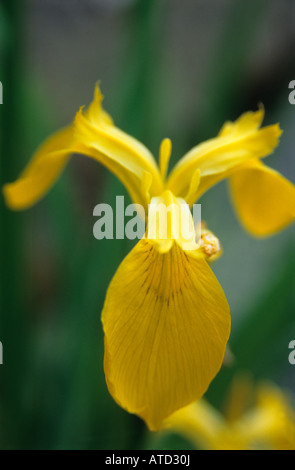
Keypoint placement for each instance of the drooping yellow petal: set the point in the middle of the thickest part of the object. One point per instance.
(166, 322)
(216, 158)
(264, 199)
(41, 173)
(95, 136)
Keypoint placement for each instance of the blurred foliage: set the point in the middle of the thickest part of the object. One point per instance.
(54, 274)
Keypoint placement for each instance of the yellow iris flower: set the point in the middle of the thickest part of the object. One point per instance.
(166, 319)
(268, 423)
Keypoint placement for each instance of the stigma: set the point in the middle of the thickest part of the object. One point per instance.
(209, 244)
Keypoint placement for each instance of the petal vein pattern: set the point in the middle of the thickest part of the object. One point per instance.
(166, 322)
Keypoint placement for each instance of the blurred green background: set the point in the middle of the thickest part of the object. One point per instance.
(167, 69)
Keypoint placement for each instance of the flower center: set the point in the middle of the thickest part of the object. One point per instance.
(169, 221)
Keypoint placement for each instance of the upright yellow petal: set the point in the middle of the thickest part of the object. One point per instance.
(263, 198)
(93, 135)
(166, 322)
(216, 158)
(122, 154)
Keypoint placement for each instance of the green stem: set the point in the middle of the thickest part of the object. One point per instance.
(11, 312)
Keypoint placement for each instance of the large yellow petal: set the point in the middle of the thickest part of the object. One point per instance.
(95, 136)
(264, 199)
(216, 158)
(166, 322)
